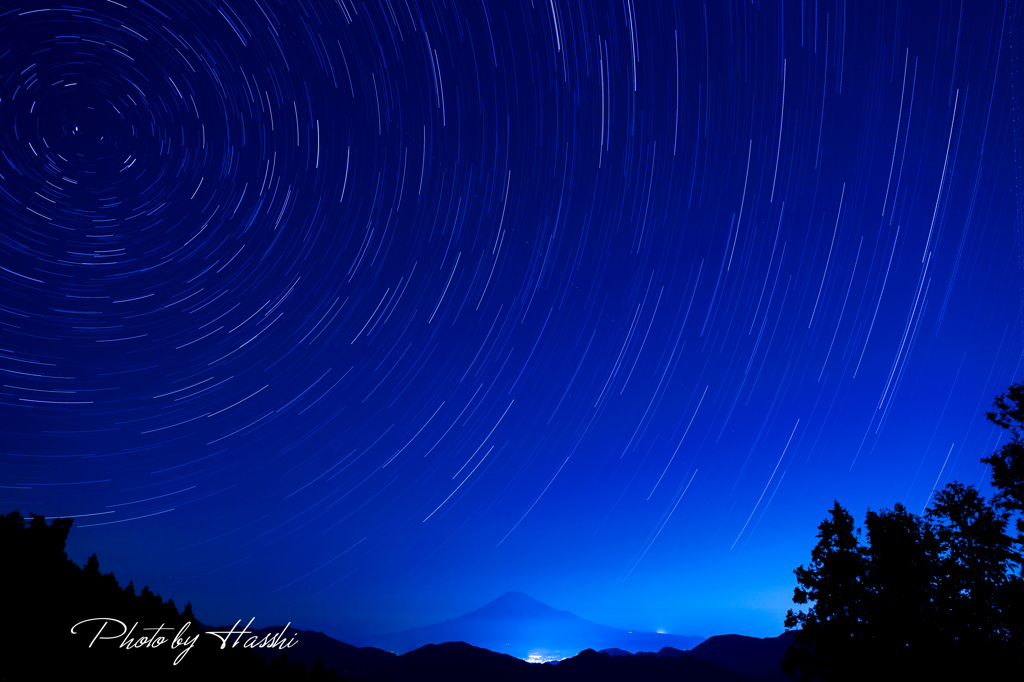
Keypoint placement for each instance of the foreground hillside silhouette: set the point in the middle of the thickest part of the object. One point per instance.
(45, 594)
(937, 597)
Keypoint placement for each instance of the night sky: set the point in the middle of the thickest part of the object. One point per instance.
(358, 315)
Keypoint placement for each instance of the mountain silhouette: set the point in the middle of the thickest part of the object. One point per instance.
(461, 662)
(521, 626)
(759, 657)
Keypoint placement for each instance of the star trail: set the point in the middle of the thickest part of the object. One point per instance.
(358, 314)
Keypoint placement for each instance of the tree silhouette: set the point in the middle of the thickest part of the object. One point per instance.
(899, 580)
(973, 565)
(939, 596)
(1008, 478)
(1008, 461)
(831, 629)
(923, 596)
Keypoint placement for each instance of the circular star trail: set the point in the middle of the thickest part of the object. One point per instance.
(357, 315)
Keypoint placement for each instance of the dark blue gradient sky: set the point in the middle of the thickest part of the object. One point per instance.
(358, 315)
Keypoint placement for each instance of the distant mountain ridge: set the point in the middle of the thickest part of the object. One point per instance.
(749, 655)
(518, 625)
(732, 658)
(760, 658)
